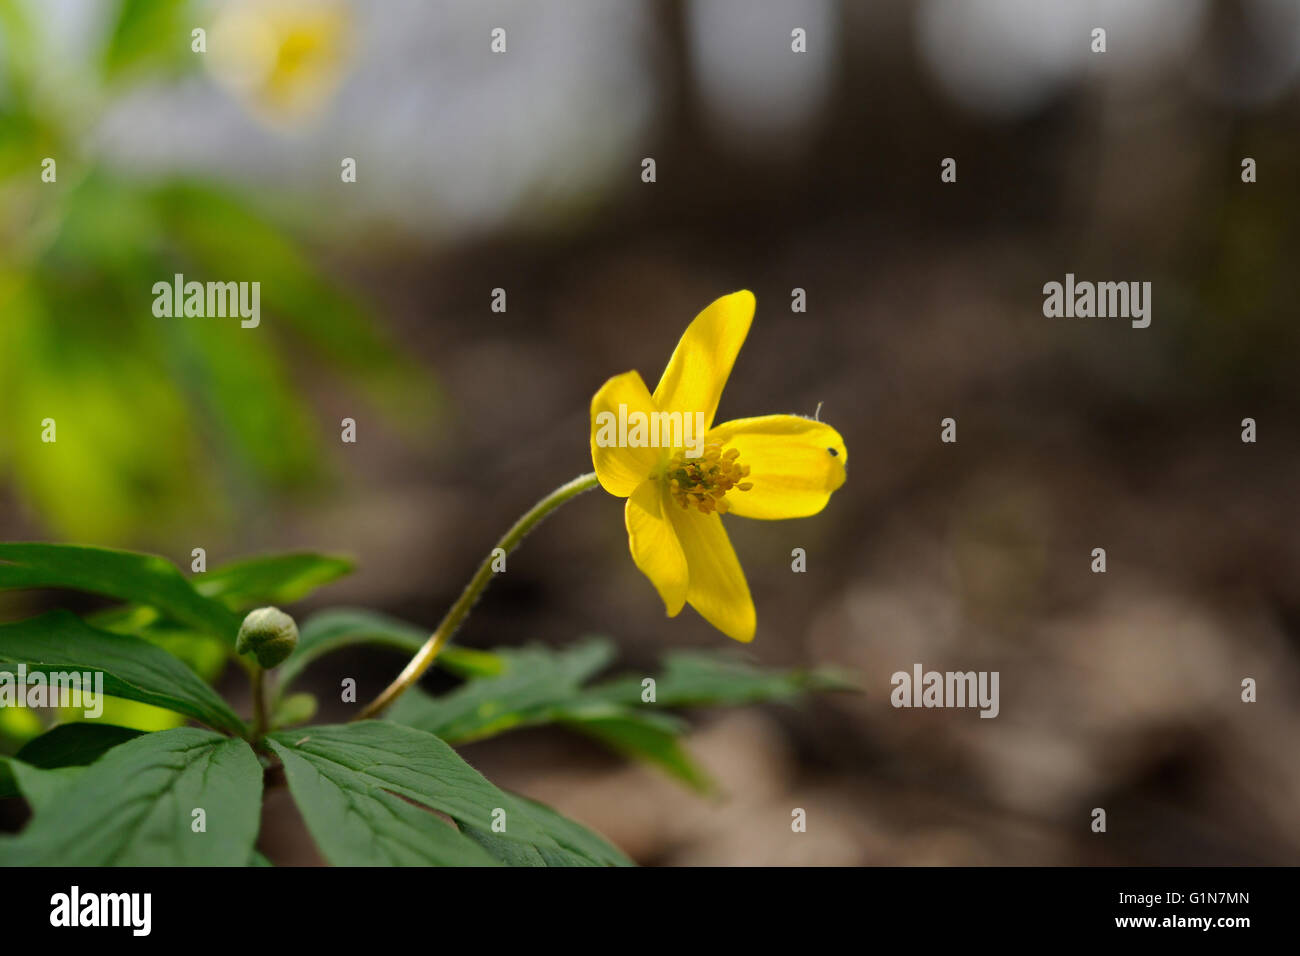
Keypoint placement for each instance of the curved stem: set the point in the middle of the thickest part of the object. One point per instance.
(460, 610)
(258, 678)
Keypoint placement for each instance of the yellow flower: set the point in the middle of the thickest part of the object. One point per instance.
(678, 486)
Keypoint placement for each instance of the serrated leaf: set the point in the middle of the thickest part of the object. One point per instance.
(132, 668)
(125, 575)
(134, 806)
(695, 678)
(541, 686)
(571, 844)
(272, 579)
(355, 822)
(573, 837)
(337, 628)
(356, 772)
(654, 737)
(535, 680)
(409, 763)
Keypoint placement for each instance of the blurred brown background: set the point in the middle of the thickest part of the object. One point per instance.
(820, 171)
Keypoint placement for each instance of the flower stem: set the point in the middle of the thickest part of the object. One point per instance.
(258, 678)
(465, 603)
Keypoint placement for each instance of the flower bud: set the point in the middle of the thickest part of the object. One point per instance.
(269, 634)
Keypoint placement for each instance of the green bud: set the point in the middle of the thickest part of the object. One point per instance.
(269, 634)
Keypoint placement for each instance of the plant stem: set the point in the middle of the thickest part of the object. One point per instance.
(465, 603)
(258, 678)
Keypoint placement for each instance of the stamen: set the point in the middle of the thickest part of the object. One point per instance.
(703, 482)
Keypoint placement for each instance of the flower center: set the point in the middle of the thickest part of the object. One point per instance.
(705, 481)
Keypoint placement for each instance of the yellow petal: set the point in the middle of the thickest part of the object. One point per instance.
(794, 464)
(620, 469)
(654, 544)
(717, 587)
(698, 370)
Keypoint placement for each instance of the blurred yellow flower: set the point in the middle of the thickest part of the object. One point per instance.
(775, 466)
(282, 58)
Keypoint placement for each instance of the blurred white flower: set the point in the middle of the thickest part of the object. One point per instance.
(282, 58)
(1007, 58)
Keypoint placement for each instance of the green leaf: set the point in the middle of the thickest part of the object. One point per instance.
(132, 668)
(694, 678)
(513, 853)
(645, 737)
(147, 33)
(574, 837)
(409, 763)
(571, 843)
(357, 823)
(535, 680)
(37, 786)
(133, 807)
(75, 744)
(273, 579)
(125, 575)
(650, 736)
(541, 686)
(337, 628)
(201, 652)
(8, 784)
(344, 778)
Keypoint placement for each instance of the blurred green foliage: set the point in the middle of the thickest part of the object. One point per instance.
(157, 419)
